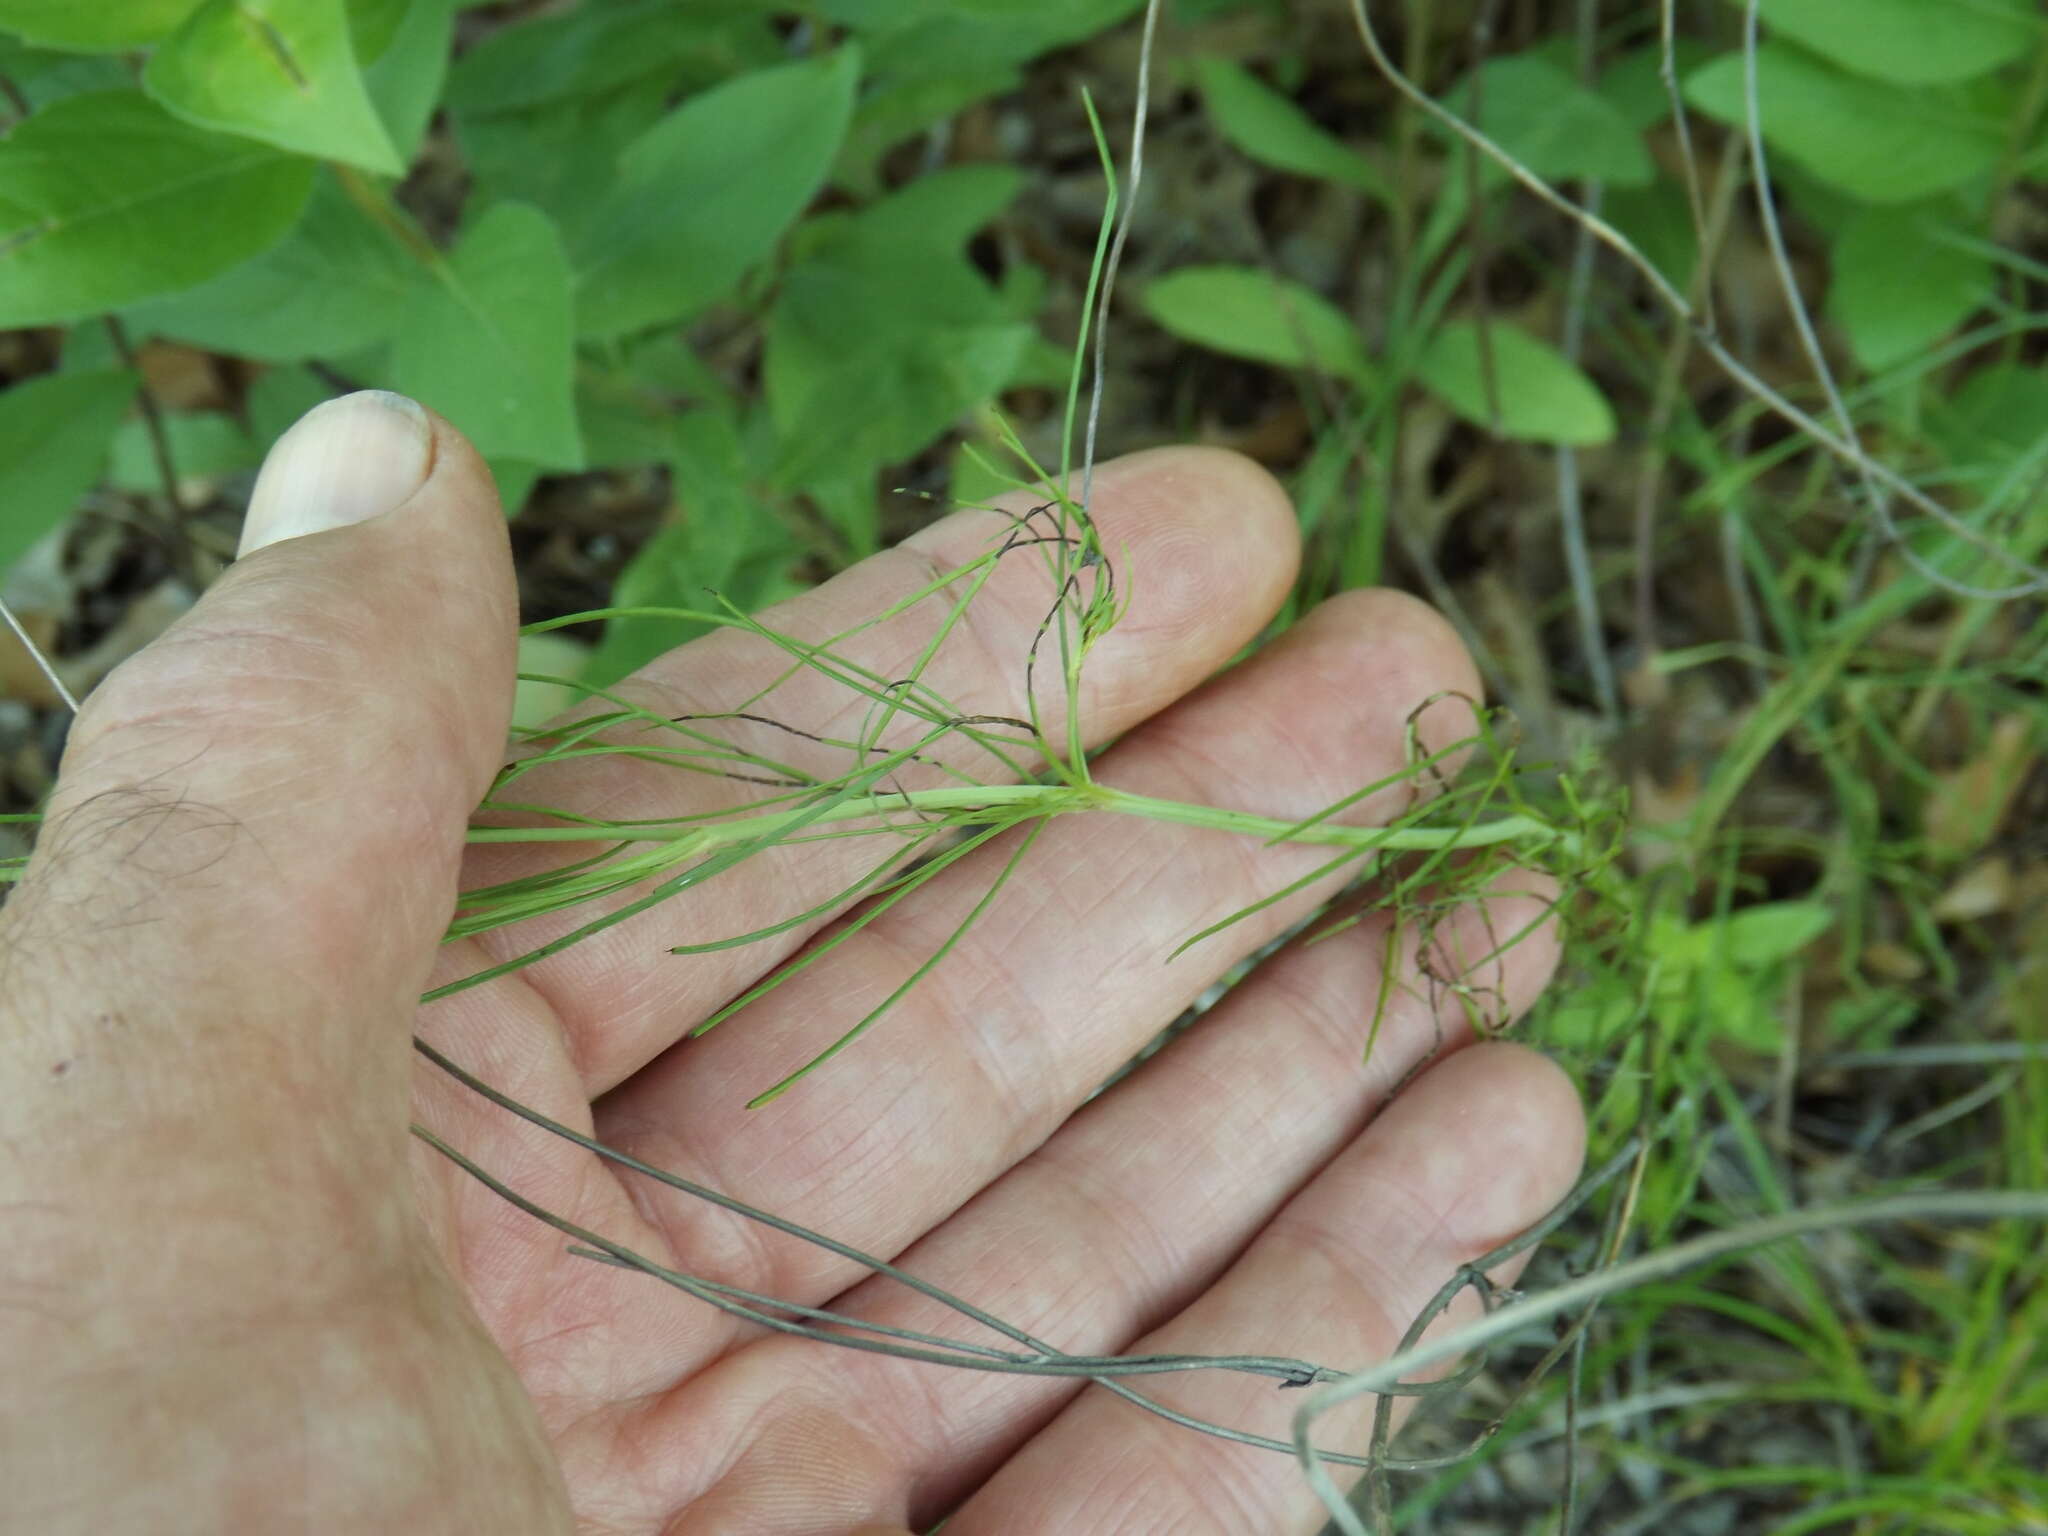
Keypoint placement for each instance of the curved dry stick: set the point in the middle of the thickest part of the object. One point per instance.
(1965, 1205)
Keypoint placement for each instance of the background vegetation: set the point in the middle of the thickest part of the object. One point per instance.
(725, 291)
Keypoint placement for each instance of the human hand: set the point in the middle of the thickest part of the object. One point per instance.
(236, 1296)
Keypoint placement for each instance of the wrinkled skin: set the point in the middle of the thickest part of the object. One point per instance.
(236, 1296)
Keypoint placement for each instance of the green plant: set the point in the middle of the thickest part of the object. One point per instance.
(1734, 310)
(230, 174)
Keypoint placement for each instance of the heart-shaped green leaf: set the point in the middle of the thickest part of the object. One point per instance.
(283, 71)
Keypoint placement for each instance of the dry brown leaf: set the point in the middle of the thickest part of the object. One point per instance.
(1968, 804)
(1983, 890)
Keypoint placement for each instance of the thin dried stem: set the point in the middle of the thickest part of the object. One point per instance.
(35, 653)
(1533, 1310)
(1844, 447)
(1578, 557)
(1116, 246)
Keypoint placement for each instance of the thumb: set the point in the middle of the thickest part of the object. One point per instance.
(261, 815)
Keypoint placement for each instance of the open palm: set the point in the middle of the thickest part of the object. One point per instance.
(258, 838)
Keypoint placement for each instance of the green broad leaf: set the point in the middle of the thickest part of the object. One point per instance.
(889, 113)
(706, 193)
(1875, 142)
(1762, 936)
(883, 335)
(204, 445)
(1587, 1018)
(488, 340)
(548, 655)
(593, 51)
(941, 211)
(1998, 416)
(372, 24)
(545, 109)
(93, 26)
(628, 398)
(1658, 220)
(42, 75)
(55, 431)
(1554, 125)
(720, 538)
(280, 397)
(1273, 131)
(1634, 83)
(1543, 396)
(618, 432)
(405, 81)
(935, 37)
(335, 285)
(106, 199)
(1911, 42)
(282, 71)
(561, 157)
(1252, 314)
(1898, 287)
(914, 391)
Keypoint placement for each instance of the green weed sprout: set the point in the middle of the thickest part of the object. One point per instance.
(920, 832)
(1014, 774)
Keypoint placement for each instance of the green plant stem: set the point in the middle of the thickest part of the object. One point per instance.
(967, 805)
(385, 214)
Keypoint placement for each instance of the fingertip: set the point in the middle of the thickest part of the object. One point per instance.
(1414, 652)
(1521, 1126)
(1217, 522)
